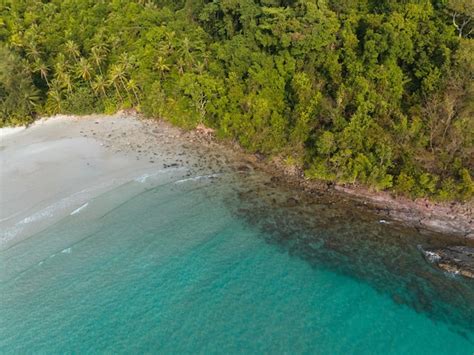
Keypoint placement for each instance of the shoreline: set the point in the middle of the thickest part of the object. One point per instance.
(56, 166)
(450, 219)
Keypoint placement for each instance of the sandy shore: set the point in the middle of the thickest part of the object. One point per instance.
(51, 169)
(54, 167)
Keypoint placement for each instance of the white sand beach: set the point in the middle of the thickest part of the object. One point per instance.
(54, 167)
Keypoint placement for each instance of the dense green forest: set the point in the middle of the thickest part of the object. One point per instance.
(374, 92)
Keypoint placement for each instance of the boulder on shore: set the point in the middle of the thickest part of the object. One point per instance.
(458, 260)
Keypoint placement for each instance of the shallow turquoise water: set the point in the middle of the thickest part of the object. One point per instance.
(206, 266)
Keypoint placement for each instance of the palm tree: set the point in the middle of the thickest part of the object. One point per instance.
(126, 60)
(99, 85)
(40, 67)
(55, 84)
(167, 46)
(181, 65)
(72, 49)
(185, 51)
(206, 57)
(30, 96)
(98, 55)
(53, 103)
(132, 85)
(62, 78)
(60, 67)
(83, 69)
(200, 67)
(34, 30)
(161, 66)
(66, 82)
(32, 51)
(117, 76)
(151, 5)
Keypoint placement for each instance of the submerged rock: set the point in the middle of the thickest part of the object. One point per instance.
(243, 168)
(292, 202)
(456, 259)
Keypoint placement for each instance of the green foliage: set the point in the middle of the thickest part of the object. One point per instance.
(18, 95)
(378, 93)
(81, 102)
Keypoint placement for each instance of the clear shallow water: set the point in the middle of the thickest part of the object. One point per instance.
(212, 266)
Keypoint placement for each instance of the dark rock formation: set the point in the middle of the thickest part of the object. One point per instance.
(455, 259)
(292, 202)
(243, 168)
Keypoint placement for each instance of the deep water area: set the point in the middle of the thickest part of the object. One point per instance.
(230, 262)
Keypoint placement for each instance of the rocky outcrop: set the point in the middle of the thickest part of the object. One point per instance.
(458, 260)
(453, 218)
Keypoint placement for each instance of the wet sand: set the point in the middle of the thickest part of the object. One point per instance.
(54, 167)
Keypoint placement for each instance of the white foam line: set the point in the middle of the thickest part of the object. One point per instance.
(8, 234)
(46, 212)
(79, 209)
(62, 203)
(195, 178)
(433, 257)
(143, 178)
(452, 275)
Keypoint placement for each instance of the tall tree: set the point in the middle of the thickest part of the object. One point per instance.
(72, 49)
(462, 13)
(84, 70)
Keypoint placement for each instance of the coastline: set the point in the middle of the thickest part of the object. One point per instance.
(54, 167)
(449, 218)
(124, 145)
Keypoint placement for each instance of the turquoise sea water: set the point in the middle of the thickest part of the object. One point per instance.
(211, 265)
